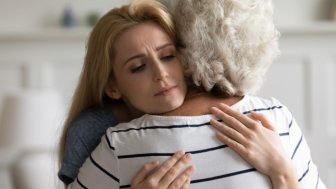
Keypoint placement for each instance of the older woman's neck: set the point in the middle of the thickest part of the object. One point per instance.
(199, 103)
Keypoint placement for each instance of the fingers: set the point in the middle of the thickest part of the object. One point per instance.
(236, 115)
(167, 172)
(171, 172)
(167, 165)
(183, 180)
(227, 130)
(235, 130)
(264, 121)
(153, 175)
(232, 119)
(239, 121)
(229, 136)
(236, 146)
(143, 173)
(186, 184)
(256, 144)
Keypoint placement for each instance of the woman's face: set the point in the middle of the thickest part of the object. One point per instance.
(148, 75)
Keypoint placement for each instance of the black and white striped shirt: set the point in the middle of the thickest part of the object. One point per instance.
(128, 146)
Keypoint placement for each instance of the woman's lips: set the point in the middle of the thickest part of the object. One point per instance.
(165, 91)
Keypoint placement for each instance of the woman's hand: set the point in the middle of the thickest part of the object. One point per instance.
(255, 140)
(165, 176)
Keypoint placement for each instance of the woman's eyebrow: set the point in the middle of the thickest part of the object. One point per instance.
(163, 46)
(142, 54)
(134, 57)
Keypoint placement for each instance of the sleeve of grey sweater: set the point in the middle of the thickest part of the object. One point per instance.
(83, 136)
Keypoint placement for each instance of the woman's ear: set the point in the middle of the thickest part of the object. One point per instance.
(112, 91)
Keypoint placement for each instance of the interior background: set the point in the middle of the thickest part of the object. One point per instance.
(303, 78)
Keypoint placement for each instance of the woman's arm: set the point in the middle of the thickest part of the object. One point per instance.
(256, 141)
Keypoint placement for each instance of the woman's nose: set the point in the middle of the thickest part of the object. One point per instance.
(160, 72)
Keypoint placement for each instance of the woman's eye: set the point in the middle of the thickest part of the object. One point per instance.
(168, 57)
(138, 68)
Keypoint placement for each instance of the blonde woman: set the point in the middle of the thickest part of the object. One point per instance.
(115, 54)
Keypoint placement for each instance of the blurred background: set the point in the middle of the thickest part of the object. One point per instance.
(42, 45)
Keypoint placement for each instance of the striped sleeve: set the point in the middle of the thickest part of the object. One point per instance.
(306, 170)
(100, 170)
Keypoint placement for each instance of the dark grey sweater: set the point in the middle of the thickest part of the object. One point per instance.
(83, 136)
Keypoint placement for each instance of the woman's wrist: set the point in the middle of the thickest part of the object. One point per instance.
(286, 178)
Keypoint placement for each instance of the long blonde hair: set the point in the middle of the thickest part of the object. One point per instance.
(97, 68)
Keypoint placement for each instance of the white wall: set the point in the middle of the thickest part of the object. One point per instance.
(19, 14)
(38, 13)
(298, 11)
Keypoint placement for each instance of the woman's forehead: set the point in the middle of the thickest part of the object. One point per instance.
(142, 36)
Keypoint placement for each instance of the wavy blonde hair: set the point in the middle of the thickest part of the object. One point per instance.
(97, 68)
(230, 44)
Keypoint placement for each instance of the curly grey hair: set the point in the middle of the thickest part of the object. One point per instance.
(230, 44)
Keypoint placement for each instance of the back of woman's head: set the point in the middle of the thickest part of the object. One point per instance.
(97, 68)
(230, 44)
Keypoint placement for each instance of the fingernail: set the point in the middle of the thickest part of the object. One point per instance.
(188, 156)
(179, 153)
(223, 105)
(192, 168)
(214, 109)
(213, 122)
